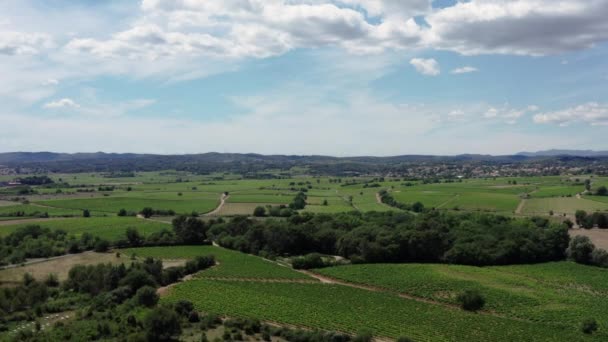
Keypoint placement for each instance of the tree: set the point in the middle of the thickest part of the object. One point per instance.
(189, 230)
(580, 249)
(134, 237)
(86, 213)
(101, 246)
(589, 326)
(602, 191)
(588, 184)
(146, 296)
(580, 216)
(122, 212)
(162, 324)
(325, 202)
(259, 211)
(147, 212)
(471, 300)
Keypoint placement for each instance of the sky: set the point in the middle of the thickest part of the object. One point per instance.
(329, 77)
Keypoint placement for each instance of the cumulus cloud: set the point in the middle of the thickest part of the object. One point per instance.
(21, 43)
(428, 66)
(507, 113)
(531, 27)
(593, 113)
(62, 103)
(464, 70)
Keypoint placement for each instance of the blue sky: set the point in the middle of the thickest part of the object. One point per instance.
(334, 77)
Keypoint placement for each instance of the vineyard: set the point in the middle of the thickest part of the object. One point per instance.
(343, 308)
(232, 264)
(109, 228)
(554, 293)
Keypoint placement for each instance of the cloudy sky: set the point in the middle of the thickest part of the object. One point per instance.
(333, 77)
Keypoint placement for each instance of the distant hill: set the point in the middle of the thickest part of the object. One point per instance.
(574, 153)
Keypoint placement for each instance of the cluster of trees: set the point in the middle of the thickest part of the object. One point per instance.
(33, 241)
(583, 251)
(589, 221)
(298, 202)
(387, 199)
(35, 180)
(148, 212)
(118, 302)
(273, 211)
(469, 238)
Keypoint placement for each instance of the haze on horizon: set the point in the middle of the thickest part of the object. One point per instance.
(324, 77)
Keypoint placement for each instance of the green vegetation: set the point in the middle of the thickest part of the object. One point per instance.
(231, 263)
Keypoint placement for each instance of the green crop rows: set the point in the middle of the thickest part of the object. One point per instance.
(232, 264)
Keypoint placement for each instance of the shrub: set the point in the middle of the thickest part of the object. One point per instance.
(259, 211)
(589, 326)
(580, 249)
(471, 300)
(162, 324)
(146, 296)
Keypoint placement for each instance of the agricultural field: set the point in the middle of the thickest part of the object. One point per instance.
(560, 293)
(36, 210)
(344, 308)
(108, 228)
(114, 204)
(232, 264)
(562, 205)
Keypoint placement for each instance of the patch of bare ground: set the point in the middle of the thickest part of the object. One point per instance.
(60, 266)
(33, 220)
(599, 237)
(164, 290)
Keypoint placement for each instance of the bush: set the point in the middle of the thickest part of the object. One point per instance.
(86, 213)
(471, 300)
(102, 246)
(589, 326)
(146, 296)
(307, 262)
(162, 324)
(580, 249)
(259, 211)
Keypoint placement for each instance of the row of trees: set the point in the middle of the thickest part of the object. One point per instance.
(388, 199)
(470, 238)
(589, 221)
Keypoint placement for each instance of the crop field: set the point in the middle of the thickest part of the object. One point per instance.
(560, 293)
(343, 308)
(32, 209)
(232, 264)
(109, 228)
(562, 205)
(232, 209)
(114, 204)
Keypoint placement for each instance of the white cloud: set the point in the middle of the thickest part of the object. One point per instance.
(531, 27)
(593, 113)
(464, 70)
(63, 103)
(507, 113)
(21, 43)
(50, 82)
(428, 67)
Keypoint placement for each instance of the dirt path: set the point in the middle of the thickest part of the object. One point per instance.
(448, 201)
(219, 207)
(520, 206)
(164, 290)
(34, 220)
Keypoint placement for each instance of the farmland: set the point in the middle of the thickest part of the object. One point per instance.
(109, 228)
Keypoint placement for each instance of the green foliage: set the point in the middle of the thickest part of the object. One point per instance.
(259, 211)
(589, 326)
(162, 324)
(146, 296)
(471, 300)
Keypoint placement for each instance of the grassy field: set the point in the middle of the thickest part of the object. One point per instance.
(32, 209)
(232, 264)
(109, 228)
(561, 293)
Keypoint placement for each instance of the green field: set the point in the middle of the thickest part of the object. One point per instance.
(32, 209)
(561, 293)
(562, 205)
(232, 264)
(342, 308)
(114, 204)
(109, 228)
